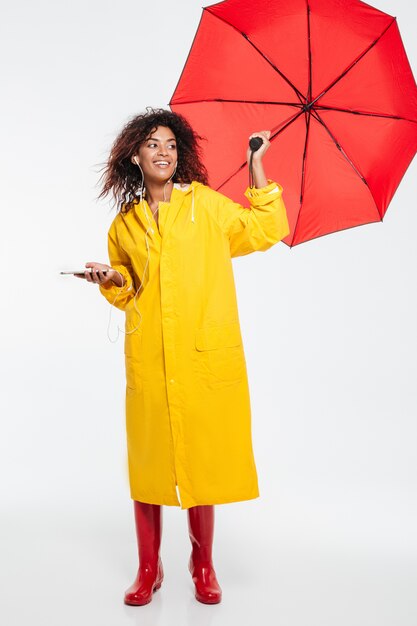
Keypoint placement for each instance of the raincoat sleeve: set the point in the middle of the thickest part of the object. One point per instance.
(120, 261)
(259, 227)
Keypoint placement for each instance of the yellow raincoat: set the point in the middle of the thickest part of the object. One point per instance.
(188, 416)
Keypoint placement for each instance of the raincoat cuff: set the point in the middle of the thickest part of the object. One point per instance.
(112, 288)
(264, 195)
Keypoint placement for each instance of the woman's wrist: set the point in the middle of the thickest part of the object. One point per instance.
(117, 279)
(259, 178)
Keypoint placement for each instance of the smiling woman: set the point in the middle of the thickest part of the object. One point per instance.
(188, 418)
(157, 157)
(124, 179)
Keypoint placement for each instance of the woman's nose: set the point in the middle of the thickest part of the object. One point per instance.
(162, 151)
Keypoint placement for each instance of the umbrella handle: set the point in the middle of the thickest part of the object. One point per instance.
(254, 144)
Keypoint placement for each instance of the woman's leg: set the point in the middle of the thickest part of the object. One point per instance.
(201, 531)
(148, 521)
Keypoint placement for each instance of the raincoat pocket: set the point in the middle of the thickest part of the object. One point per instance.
(220, 353)
(133, 360)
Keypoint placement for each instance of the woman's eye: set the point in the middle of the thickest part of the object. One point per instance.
(154, 145)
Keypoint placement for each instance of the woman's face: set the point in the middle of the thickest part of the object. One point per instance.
(158, 155)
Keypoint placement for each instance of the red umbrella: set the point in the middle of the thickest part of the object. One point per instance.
(331, 79)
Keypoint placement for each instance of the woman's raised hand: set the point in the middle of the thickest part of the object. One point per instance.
(97, 276)
(259, 154)
(259, 178)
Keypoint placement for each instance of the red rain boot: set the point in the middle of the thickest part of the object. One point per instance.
(148, 520)
(201, 529)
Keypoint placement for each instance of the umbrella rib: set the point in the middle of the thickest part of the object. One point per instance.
(308, 116)
(304, 161)
(338, 146)
(336, 80)
(317, 117)
(272, 137)
(274, 67)
(290, 104)
(343, 153)
(310, 88)
(393, 117)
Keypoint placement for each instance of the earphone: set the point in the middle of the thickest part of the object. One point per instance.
(142, 205)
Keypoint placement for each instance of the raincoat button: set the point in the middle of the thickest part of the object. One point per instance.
(172, 380)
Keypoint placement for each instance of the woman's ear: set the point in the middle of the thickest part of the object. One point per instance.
(134, 159)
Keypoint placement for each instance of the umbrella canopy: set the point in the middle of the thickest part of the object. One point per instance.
(331, 79)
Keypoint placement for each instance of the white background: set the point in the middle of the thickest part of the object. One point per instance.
(330, 340)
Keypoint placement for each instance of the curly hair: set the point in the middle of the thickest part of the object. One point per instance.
(123, 178)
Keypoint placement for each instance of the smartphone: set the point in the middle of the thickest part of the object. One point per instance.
(87, 269)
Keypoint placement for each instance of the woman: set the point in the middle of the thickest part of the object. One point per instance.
(188, 418)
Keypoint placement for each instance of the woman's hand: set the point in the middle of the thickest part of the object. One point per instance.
(259, 154)
(259, 177)
(97, 276)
